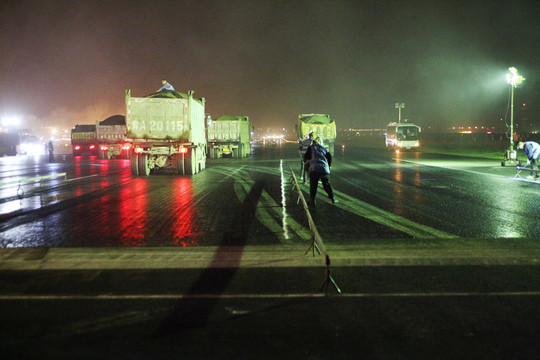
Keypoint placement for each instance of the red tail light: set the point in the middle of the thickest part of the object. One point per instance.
(182, 149)
(104, 148)
(77, 147)
(126, 147)
(92, 147)
(139, 150)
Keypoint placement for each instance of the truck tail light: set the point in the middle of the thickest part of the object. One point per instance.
(77, 147)
(182, 150)
(139, 150)
(92, 147)
(126, 147)
(104, 148)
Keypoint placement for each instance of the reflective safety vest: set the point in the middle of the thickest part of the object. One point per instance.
(318, 162)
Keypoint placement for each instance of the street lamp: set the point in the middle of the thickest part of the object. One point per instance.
(399, 107)
(514, 80)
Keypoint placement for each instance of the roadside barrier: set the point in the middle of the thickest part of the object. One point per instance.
(317, 243)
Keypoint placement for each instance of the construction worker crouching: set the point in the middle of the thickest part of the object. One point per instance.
(532, 151)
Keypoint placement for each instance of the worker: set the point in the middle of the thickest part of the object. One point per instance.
(319, 161)
(166, 86)
(304, 145)
(532, 151)
(50, 148)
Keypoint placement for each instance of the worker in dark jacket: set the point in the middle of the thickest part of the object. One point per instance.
(304, 145)
(532, 150)
(319, 162)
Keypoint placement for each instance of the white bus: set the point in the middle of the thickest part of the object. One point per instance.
(402, 136)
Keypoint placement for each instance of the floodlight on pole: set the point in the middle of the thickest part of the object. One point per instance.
(514, 80)
(399, 106)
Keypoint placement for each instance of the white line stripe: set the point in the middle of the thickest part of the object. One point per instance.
(451, 168)
(262, 296)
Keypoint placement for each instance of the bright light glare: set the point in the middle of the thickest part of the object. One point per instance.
(11, 121)
(514, 78)
(31, 149)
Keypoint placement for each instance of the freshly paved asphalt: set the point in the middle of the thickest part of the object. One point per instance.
(406, 298)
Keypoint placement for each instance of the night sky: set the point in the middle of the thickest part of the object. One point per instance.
(69, 62)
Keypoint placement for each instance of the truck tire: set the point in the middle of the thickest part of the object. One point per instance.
(134, 158)
(240, 151)
(180, 164)
(185, 163)
(194, 162)
(144, 166)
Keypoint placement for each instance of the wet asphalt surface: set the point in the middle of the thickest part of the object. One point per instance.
(437, 257)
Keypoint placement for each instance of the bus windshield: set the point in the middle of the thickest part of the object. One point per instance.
(407, 133)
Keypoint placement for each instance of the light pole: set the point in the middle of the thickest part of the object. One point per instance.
(514, 80)
(399, 107)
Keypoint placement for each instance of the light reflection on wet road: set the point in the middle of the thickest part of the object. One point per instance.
(382, 196)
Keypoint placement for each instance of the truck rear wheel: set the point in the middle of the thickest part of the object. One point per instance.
(180, 164)
(144, 166)
(191, 166)
(134, 158)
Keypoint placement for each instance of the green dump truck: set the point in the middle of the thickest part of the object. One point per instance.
(229, 136)
(111, 138)
(321, 125)
(167, 129)
(83, 140)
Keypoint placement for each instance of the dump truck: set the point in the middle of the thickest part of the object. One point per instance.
(167, 129)
(111, 138)
(229, 136)
(321, 124)
(83, 140)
